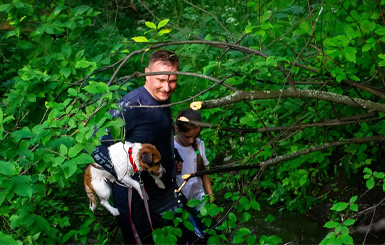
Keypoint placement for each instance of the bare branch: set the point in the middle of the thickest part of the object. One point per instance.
(299, 93)
(334, 122)
(278, 159)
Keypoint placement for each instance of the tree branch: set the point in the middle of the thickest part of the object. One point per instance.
(299, 93)
(334, 122)
(285, 157)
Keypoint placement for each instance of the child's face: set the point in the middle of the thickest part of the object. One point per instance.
(187, 138)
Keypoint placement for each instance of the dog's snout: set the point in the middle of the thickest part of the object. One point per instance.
(154, 173)
(159, 173)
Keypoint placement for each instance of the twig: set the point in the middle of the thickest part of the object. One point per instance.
(382, 13)
(212, 15)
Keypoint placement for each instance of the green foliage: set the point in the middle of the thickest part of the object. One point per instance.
(59, 58)
(340, 233)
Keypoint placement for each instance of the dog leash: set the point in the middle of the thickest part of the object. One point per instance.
(136, 235)
(137, 238)
(144, 196)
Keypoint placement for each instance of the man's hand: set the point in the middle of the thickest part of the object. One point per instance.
(179, 167)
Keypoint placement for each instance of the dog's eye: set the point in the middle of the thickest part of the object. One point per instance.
(146, 158)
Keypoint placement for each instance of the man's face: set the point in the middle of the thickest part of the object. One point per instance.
(160, 86)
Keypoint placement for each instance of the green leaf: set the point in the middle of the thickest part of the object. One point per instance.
(255, 205)
(7, 168)
(66, 50)
(228, 195)
(41, 222)
(105, 61)
(193, 203)
(366, 47)
(379, 175)
(331, 224)
(163, 23)
(370, 183)
(163, 31)
(65, 71)
(73, 151)
(68, 236)
(380, 31)
(79, 10)
(364, 127)
(367, 171)
(151, 25)
(244, 231)
(25, 133)
(238, 238)
(354, 207)
(353, 199)
(168, 215)
(83, 158)
(69, 168)
(84, 64)
(5, 7)
(18, 4)
(270, 218)
(271, 240)
(349, 53)
(243, 201)
(140, 39)
(96, 87)
(349, 222)
(21, 185)
(339, 206)
(176, 221)
(63, 150)
(350, 33)
(79, 54)
(251, 239)
(213, 240)
(203, 210)
(7, 239)
(346, 239)
(188, 225)
(72, 92)
(305, 26)
(232, 217)
(249, 28)
(245, 217)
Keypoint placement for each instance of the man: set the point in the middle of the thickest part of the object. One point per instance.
(145, 125)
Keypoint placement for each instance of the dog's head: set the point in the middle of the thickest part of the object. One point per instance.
(149, 160)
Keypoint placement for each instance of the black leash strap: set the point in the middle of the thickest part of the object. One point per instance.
(136, 235)
(144, 196)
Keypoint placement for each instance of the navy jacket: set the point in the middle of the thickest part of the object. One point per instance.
(147, 125)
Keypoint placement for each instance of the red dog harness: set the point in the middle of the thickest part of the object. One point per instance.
(132, 160)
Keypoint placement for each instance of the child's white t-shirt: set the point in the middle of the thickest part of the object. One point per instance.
(193, 187)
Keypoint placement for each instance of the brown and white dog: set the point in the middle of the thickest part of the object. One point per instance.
(127, 159)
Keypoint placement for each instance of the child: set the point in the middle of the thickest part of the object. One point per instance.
(192, 151)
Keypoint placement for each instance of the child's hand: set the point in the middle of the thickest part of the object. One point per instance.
(179, 167)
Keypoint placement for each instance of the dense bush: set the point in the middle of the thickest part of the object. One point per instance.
(294, 88)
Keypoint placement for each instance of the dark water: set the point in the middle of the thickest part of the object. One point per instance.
(295, 228)
(291, 227)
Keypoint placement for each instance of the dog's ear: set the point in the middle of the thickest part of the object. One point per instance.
(146, 158)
